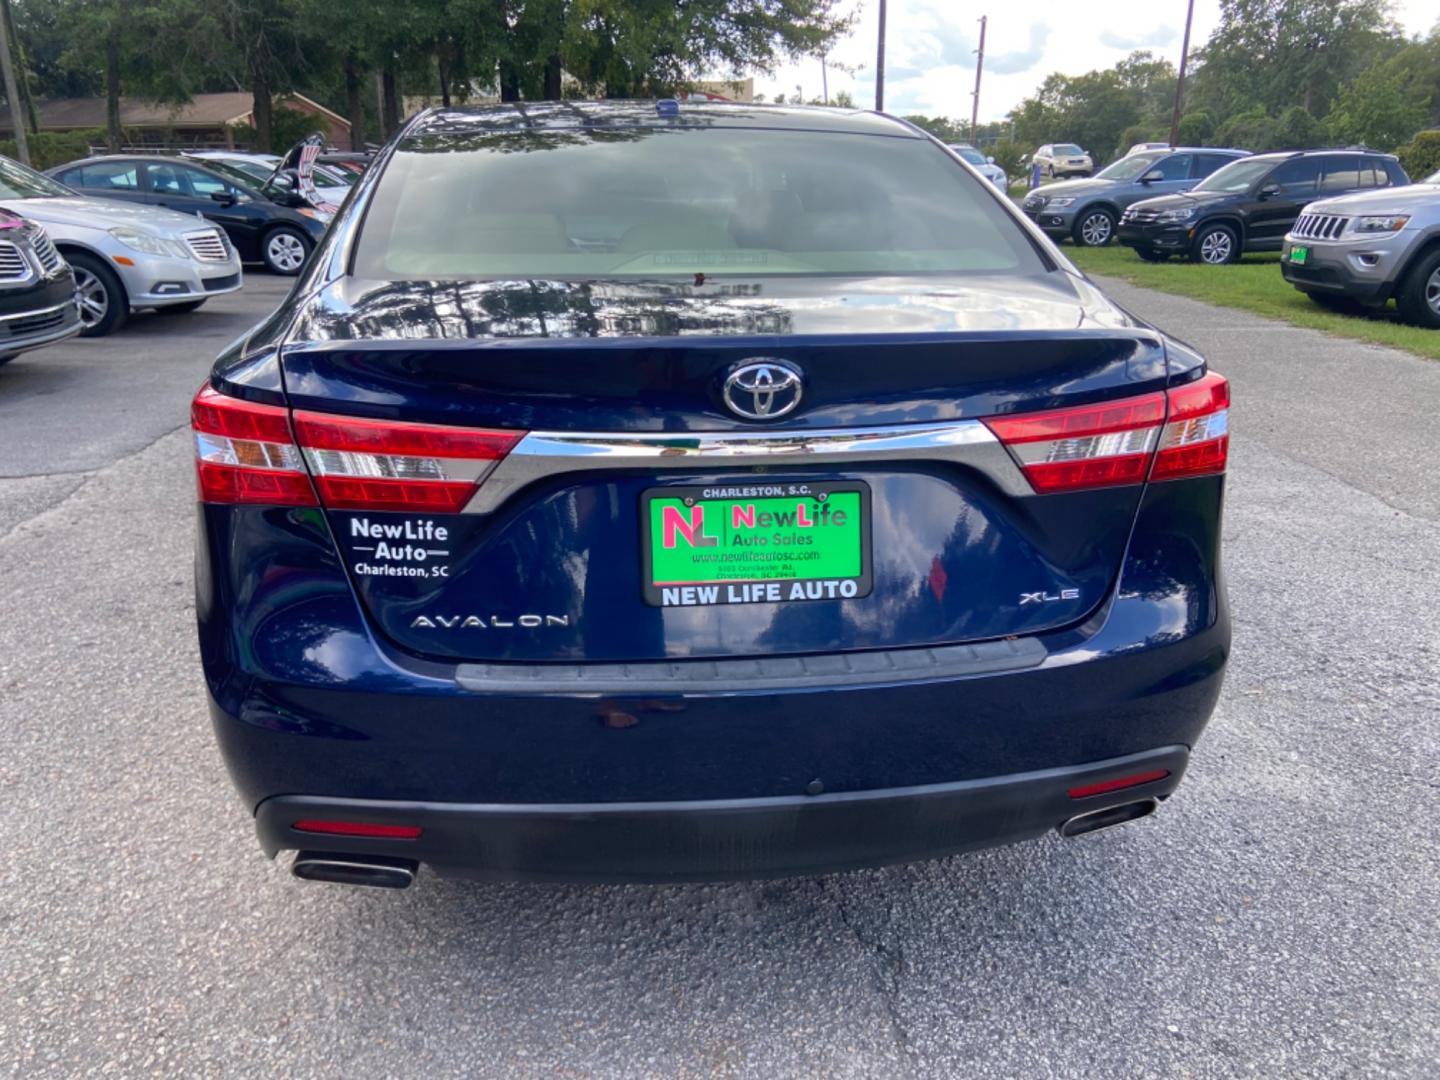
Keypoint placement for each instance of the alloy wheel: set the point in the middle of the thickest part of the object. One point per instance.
(1095, 230)
(1216, 247)
(91, 297)
(285, 252)
(1432, 291)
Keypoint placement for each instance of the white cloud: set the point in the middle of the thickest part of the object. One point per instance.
(1161, 35)
(930, 60)
(1014, 63)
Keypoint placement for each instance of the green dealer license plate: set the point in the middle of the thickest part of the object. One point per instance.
(1298, 255)
(773, 542)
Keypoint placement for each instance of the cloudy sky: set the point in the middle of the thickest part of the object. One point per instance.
(930, 51)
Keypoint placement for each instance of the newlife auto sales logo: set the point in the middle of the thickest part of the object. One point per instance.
(758, 543)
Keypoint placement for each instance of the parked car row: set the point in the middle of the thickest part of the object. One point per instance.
(1352, 230)
(1088, 211)
(260, 227)
(93, 240)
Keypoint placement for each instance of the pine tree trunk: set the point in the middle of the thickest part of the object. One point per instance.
(263, 109)
(22, 73)
(509, 81)
(354, 108)
(441, 52)
(554, 67)
(392, 101)
(112, 91)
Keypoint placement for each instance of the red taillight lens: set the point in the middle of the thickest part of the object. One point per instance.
(1086, 447)
(363, 464)
(244, 453)
(1118, 784)
(1196, 439)
(1163, 436)
(359, 828)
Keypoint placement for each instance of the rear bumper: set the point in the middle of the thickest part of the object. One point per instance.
(719, 839)
(308, 704)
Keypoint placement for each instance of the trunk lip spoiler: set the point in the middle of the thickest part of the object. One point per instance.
(544, 454)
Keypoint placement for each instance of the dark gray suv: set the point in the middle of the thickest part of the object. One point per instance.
(1087, 210)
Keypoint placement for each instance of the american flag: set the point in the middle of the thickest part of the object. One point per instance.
(305, 174)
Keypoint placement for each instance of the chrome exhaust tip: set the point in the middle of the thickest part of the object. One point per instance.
(371, 871)
(1110, 816)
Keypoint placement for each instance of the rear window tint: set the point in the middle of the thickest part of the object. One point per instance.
(676, 202)
(119, 175)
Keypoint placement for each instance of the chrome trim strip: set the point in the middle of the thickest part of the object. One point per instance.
(542, 454)
(38, 311)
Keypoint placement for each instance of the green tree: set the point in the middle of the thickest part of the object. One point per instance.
(942, 127)
(1382, 107)
(1097, 109)
(1196, 126)
(1296, 129)
(1420, 157)
(1279, 53)
(1251, 130)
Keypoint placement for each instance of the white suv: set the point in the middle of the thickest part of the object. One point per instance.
(1063, 159)
(1361, 250)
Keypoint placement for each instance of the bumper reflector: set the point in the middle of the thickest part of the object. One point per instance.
(1119, 784)
(360, 828)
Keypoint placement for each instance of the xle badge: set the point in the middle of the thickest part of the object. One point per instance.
(1043, 597)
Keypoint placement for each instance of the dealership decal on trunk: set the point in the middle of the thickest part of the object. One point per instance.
(772, 543)
(411, 547)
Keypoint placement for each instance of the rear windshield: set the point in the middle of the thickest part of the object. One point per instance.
(676, 202)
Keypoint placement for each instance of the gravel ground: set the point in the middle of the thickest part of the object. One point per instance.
(1276, 919)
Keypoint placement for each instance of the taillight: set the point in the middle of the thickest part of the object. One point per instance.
(1162, 436)
(1085, 447)
(1196, 440)
(244, 453)
(386, 465)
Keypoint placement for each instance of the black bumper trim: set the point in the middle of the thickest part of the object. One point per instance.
(758, 673)
(1336, 278)
(718, 839)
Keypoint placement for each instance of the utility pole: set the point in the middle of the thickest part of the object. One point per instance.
(979, 67)
(824, 78)
(880, 64)
(1180, 82)
(12, 94)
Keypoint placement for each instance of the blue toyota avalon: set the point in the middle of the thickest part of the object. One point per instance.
(658, 492)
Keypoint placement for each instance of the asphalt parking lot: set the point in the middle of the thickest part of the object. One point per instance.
(1276, 919)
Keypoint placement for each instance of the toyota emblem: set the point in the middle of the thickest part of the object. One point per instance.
(763, 389)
